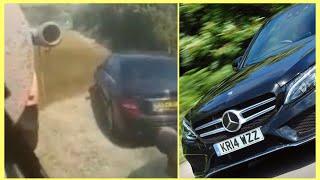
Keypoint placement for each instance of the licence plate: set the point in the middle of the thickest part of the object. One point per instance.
(161, 106)
(238, 142)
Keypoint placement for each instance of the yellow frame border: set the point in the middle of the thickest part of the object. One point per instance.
(177, 2)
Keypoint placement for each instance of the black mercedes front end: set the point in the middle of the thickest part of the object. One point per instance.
(284, 126)
(267, 105)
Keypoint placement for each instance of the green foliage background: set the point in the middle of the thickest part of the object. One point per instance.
(146, 27)
(211, 37)
(120, 27)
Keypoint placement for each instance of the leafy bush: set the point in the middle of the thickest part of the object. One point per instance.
(120, 27)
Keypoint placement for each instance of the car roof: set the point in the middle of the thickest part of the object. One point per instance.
(289, 9)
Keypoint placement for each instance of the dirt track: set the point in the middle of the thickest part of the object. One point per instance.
(71, 145)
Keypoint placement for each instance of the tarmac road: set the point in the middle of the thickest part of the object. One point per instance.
(289, 163)
(72, 145)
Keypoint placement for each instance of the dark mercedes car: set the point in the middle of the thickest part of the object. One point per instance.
(135, 94)
(267, 105)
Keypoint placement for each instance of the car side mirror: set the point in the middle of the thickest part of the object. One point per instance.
(236, 63)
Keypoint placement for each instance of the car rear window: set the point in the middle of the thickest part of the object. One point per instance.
(147, 72)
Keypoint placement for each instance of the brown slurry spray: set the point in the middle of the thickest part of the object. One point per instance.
(67, 69)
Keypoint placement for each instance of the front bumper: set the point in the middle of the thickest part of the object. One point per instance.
(299, 117)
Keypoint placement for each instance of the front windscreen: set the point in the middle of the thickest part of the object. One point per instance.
(295, 24)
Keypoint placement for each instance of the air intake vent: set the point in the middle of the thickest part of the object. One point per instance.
(304, 124)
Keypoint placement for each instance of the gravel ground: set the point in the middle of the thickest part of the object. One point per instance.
(71, 145)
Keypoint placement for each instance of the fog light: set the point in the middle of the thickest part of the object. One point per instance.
(288, 133)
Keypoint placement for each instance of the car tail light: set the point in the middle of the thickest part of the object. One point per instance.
(131, 107)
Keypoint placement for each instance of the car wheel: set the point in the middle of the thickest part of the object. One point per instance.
(109, 120)
(98, 108)
(104, 113)
(108, 114)
(113, 122)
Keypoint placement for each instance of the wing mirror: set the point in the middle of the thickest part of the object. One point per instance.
(236, 63)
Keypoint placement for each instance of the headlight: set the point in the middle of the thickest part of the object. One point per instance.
(187, 131)
(300, 85)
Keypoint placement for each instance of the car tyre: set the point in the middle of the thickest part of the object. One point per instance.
(104, 113)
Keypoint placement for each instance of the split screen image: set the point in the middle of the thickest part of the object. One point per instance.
(159, 90)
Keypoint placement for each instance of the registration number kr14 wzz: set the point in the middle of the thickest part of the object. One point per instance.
(238, 142)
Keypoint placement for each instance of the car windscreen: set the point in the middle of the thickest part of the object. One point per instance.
(149, 74)
(289, 27)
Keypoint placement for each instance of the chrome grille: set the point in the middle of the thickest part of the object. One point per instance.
(249, 111)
